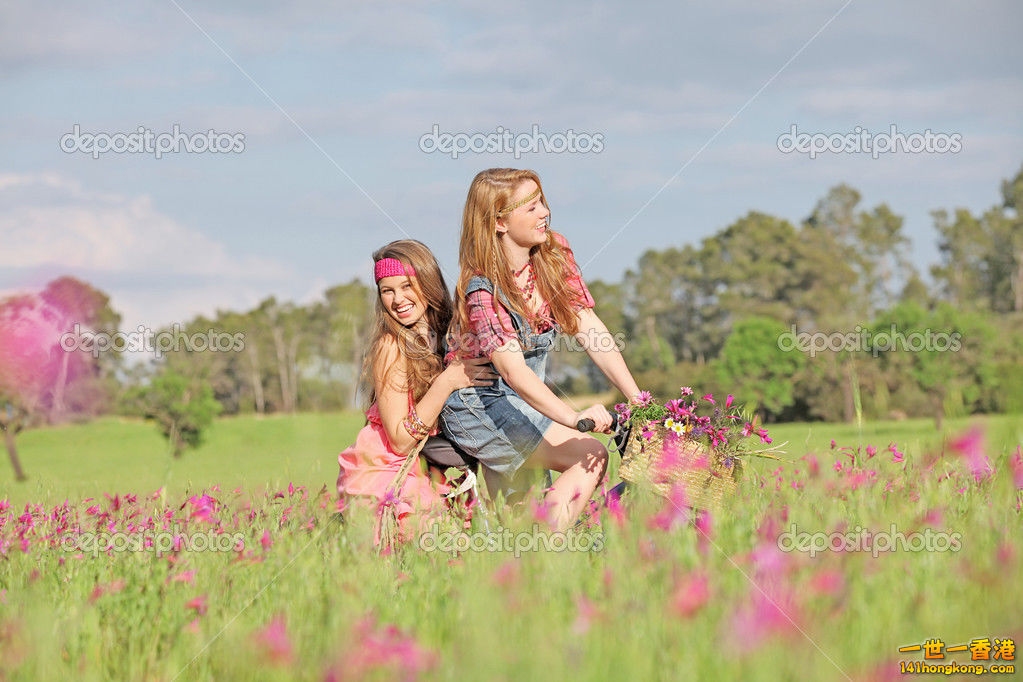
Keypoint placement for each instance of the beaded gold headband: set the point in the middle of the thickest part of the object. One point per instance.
(514, 206)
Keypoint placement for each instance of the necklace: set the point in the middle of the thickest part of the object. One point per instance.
(527, 291)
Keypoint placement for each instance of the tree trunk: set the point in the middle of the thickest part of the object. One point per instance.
(655, 345)
(293, 371)
(174, 443)
(848, 397)
(58, 408)
(12, 452)
(255, 379)
(1017, 283)
(282, 369)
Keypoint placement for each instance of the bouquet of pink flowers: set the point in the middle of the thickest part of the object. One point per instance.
(693, 440)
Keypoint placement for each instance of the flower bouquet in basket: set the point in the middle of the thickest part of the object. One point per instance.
(690, 441)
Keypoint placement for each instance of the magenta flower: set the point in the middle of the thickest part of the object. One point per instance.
(542, 510)
(674, 512)
(812, 464)
(677, 409)
(1017, 467)
(705, 528)
(710, 398)
(587, 612)
(970, 447)
(691, 594)
(643, 399)
(828, 582)
(198, 604)
(686, 390)
(615, 510)
(728, 401)
(374, 651)
(274, 642)
(775, 612)
(184, 577)
(203, 507)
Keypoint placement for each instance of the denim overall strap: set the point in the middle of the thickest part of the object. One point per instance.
(534, 347)
(525, 332)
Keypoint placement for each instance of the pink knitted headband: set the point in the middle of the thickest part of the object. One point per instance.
(389, 267)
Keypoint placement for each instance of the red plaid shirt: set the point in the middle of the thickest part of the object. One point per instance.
(490, 330)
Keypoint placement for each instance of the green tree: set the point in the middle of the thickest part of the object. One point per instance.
(756, 369)
(946, 351)
(183, 408)
(982, 257)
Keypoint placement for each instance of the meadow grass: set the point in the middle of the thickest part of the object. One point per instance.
(304, 596)
(117, 454)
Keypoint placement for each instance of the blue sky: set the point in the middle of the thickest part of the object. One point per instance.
(333, 170)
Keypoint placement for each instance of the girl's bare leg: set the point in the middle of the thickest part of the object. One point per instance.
(581, 460)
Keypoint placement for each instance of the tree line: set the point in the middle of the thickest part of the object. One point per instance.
(718, 315)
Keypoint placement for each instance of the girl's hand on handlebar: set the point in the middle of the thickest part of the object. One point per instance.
(599, 415)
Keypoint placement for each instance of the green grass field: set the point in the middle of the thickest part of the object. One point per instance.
(296, 595)
(259, 453)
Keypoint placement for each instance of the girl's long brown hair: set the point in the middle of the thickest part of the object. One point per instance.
(421, 358)
(480, 252)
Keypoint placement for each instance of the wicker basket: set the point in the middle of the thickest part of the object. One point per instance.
(706, 482)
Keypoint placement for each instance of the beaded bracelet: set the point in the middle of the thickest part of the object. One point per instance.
(414, 425)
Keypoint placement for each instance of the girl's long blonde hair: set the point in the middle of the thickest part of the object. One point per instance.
(421, 358)
(480, 252)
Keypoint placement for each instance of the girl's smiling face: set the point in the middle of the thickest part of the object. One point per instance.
(400, 300)
(527, 225)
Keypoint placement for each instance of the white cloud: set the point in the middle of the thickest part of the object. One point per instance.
(106, 233)
(155, 269)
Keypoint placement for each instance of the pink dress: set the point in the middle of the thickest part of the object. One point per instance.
(368, 468)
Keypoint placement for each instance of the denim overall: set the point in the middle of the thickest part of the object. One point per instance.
(492, 423)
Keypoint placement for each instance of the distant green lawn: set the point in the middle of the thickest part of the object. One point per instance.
(116, 455)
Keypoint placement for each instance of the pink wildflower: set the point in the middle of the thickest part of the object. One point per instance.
(970, 447)
(274, 641)
(690, 595)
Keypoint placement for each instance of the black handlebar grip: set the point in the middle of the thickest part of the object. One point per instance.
(588, 424)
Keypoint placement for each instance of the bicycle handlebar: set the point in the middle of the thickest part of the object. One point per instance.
(585, 425)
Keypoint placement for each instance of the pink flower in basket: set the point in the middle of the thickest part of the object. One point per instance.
(643, 399)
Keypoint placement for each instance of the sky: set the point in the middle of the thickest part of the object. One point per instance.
(323, 108)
